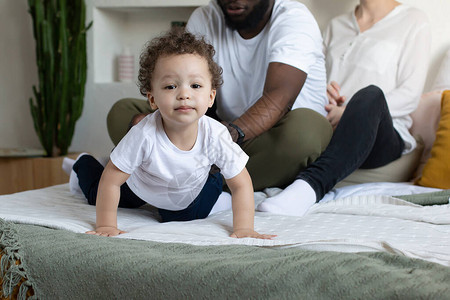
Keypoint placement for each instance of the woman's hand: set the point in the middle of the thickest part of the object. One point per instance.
(334, 114)
(243, 233)
(106, 231)
(333, 93)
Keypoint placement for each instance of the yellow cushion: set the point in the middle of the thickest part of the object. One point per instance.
(425, 124)
(436, 172)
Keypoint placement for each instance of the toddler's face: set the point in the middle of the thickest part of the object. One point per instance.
(181, 88)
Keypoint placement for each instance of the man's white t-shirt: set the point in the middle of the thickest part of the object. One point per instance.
(167, 177)
(291, 36)
(393, 55)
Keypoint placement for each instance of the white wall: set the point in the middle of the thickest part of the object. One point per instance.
(18, 72)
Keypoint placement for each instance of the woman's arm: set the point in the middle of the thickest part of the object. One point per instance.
(108, 200)
(412, 72)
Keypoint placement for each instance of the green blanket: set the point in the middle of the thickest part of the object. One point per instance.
(59, 264)
(436, 198)
(65, 265)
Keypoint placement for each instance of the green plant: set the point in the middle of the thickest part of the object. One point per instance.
(60, 32)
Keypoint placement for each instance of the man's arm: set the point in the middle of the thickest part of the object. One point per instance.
(282, 86)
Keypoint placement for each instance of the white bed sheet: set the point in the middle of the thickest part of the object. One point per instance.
(349, 219)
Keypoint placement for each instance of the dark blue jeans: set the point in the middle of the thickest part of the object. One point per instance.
(89, 171)
(364, 138)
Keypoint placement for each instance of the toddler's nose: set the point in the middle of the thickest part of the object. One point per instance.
(183, 93)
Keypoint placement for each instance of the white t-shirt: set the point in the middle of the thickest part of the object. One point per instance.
(291, 36)
(393, 55)
(167, 177)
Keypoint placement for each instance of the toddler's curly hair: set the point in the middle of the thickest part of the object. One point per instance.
(176, 42)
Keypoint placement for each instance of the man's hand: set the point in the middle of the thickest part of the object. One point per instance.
(334, 114)
(333, 93)
(106, 231)
(136, 119)
(243, 233)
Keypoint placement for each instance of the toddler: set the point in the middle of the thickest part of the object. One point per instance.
(165, 160)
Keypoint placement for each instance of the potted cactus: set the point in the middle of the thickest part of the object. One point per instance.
(60, 32)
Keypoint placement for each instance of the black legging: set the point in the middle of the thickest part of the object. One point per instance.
(364, 138)
(89, 171)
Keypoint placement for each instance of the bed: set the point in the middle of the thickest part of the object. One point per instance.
(358, 242)
(373, 240)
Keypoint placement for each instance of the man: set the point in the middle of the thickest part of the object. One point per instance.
(274, 90)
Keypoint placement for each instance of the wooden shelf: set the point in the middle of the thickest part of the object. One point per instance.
(120, 24)
(21, 152)
(27, 173)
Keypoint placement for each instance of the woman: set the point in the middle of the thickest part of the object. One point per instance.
(376, 56)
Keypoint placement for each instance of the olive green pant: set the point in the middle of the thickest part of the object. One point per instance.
(276, 156)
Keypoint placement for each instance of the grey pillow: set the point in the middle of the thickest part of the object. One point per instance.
(400, 170)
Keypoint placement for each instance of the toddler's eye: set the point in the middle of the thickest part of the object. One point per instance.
(170, 87)
(196, 86)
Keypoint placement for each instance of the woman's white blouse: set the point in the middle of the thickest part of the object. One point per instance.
(393, 54)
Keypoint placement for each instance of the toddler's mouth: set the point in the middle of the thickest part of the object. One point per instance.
(184, 108)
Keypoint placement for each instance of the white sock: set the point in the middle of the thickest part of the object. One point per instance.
(222, 203)
(295, 200)
(74, 185)
(67, 165)
(73, 180)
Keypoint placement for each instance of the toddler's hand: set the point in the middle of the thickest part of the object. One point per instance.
(243, 233)
(106, 231)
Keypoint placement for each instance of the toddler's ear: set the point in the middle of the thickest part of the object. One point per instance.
(151, 101)
(212, 96)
